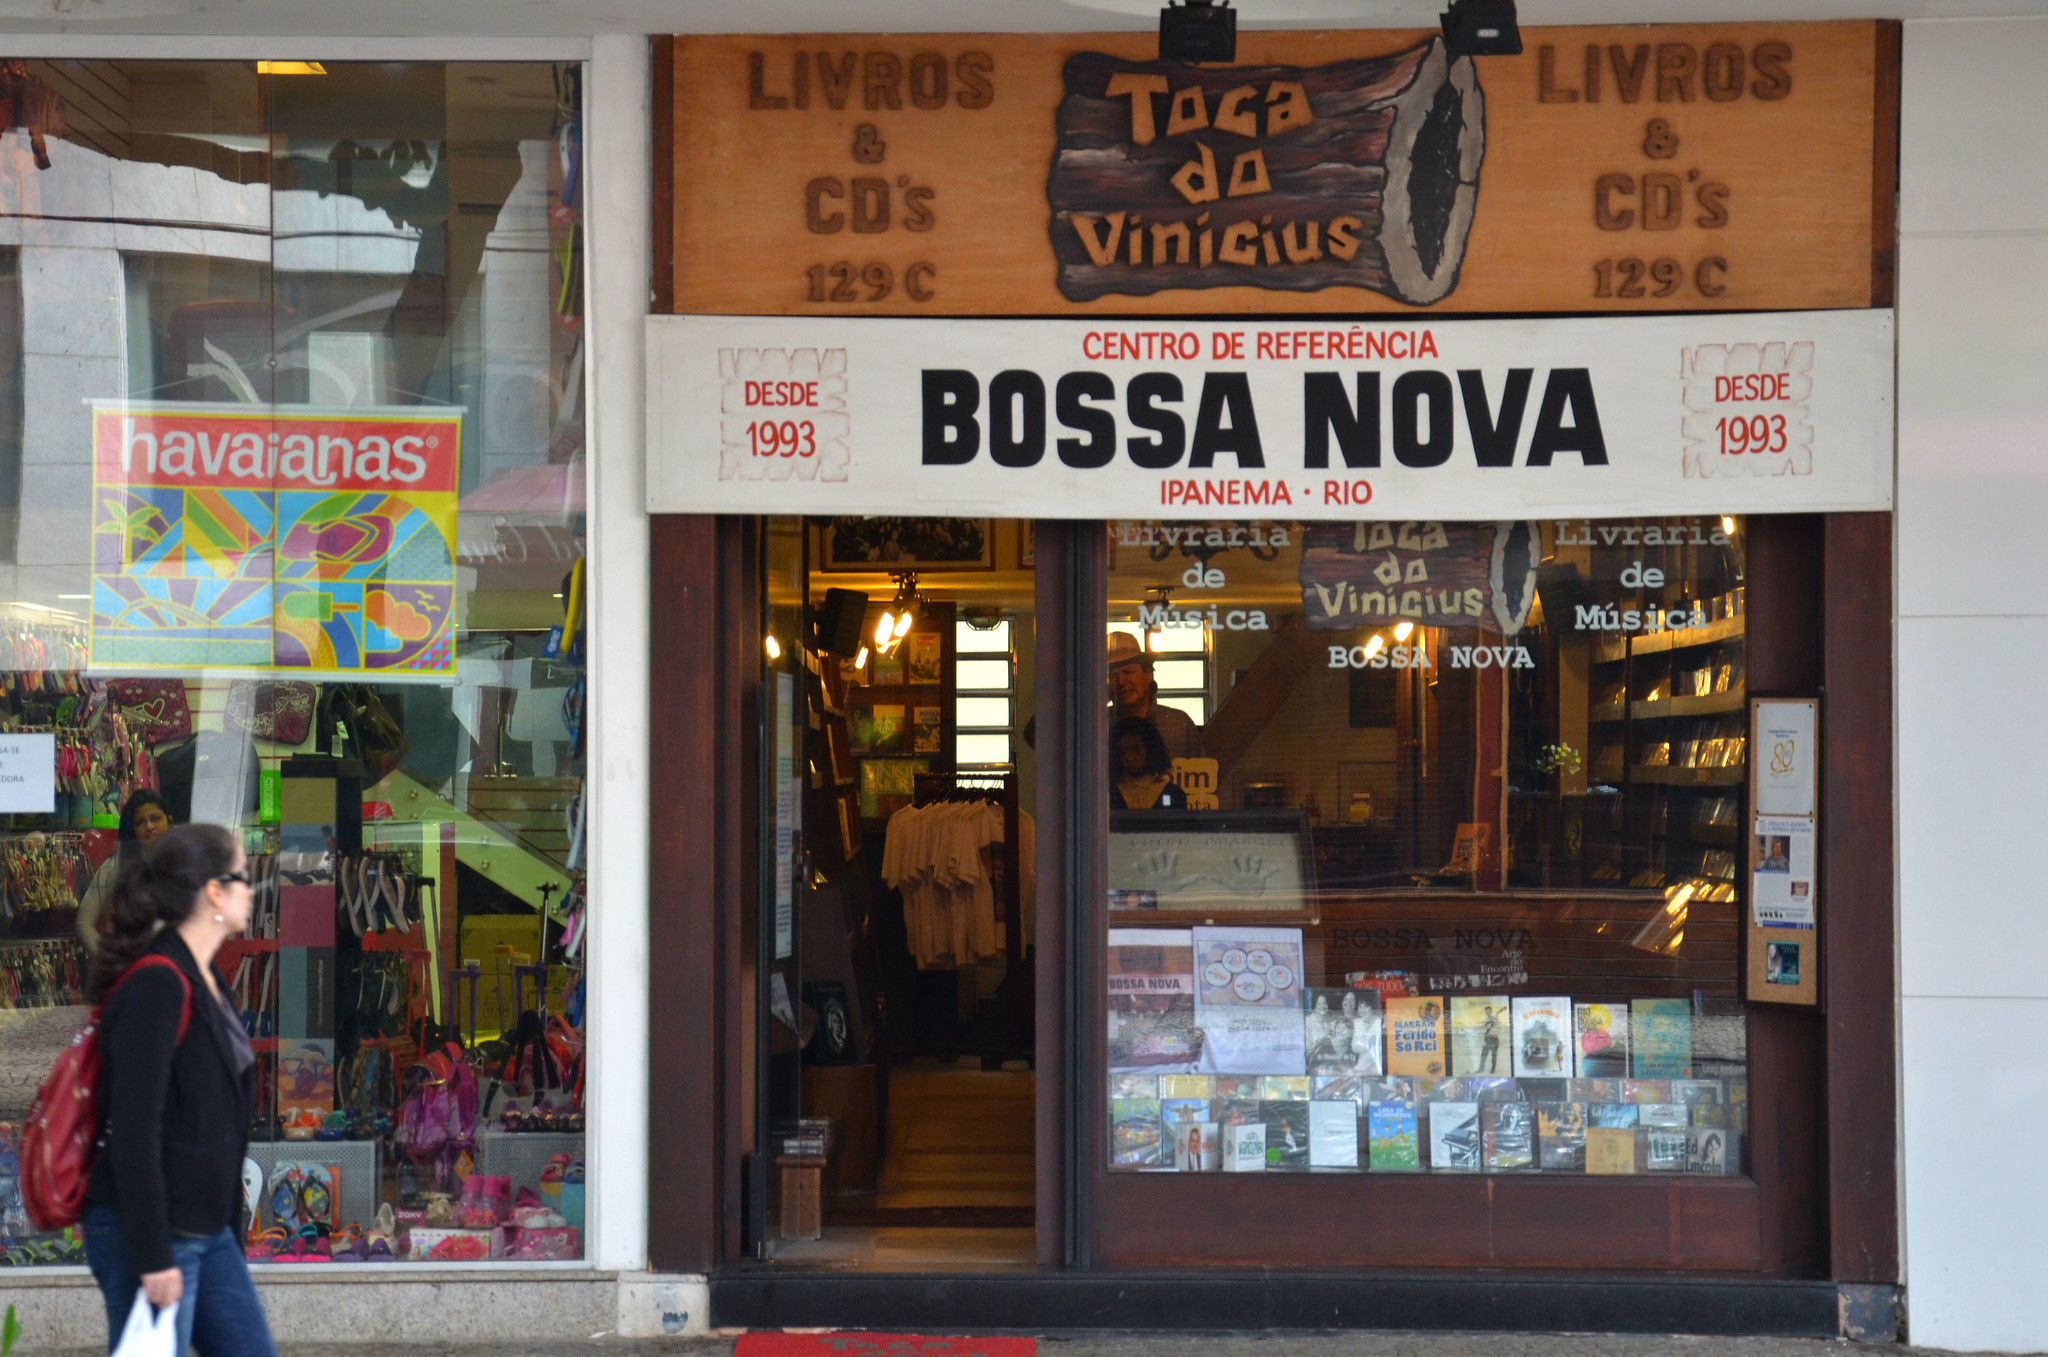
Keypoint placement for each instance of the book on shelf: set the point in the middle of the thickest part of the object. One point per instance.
(1235, 1111)
(1286, 1133)
(1333, 1135)
(1134, 1131)
(1480, 1035)
(1595, 1090)
(1454, 1137)
(1561, 1136)
(1133, 1086)
(1387, 984)
(1543, 1035)
(1151, 986)
(1343, 1031)
(1173, 1110)
(1390, 1133)
(1509, 1135)
(1244, 1148)
(1490, 1088)
(1599, 1041)
(1692, 1092)
(1646, 1090)
(1664, 1149)
(1415, 1037)
(1614, 1116)
(1391, 1088)
(1332, 1088)
(1610, 1149)
(1187, 1086)
(1289, 1088)
(1660, 1038)
(1197, 1146)
(1721, 1116)
(1238, 1086)
(1712, 1150)
(1544, 1090)
(1663, 1115)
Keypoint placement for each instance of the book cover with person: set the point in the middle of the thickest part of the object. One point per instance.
(1415, 1037)
(1480, 1035)
(1561, 1136)
(1286, 1133)
(1660, 1038)
(1343, 1031)
(1510, 1136)
(1543, 1037)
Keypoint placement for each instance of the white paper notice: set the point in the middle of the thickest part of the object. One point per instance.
(1784, 750)
(1781, 885)
(28, 774)
(1248, 988)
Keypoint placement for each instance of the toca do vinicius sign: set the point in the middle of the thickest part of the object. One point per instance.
(1678, 168)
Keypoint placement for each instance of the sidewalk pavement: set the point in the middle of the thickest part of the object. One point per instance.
(1101, 1344)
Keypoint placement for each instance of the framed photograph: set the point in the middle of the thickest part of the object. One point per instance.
(865, 545)
(927, 730)
(1231, 861)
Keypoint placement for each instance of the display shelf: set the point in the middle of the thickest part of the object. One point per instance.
(356, 1160)
(1686, 638)
(1611, 711)
(1712, 704)
(1686, 777)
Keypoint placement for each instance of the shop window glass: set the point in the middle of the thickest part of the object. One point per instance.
(1428, 863)
(291, 540)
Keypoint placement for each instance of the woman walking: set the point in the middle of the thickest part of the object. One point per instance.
(165, 1198)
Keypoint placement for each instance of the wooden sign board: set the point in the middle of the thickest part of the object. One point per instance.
(1681, 168)
(1782, 887)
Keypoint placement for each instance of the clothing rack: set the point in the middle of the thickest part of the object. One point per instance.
(1000, 789)
(42, 972)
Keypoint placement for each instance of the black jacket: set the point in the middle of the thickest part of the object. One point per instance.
(174, 1116)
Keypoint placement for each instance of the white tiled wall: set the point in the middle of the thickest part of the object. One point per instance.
(1972, 647)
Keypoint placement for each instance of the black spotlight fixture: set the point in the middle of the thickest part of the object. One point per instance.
(1199, 30)
(1482, 28)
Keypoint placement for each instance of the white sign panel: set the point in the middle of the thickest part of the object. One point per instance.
(1781, 882)
(1786, 770)
(28, 774)
(1786, 412)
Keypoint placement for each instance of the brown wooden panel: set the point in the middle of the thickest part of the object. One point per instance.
(1856, 874)
(1431, 1220)
(663, 58)
(1625, 159)
(685, 994)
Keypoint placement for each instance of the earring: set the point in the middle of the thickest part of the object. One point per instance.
(219, 918)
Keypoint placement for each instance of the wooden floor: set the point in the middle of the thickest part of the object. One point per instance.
(958, 1136)
(959, 1141)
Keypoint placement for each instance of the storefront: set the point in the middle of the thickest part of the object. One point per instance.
(1319, 626)
(1469, 482)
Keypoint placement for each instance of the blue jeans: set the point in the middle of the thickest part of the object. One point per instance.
(220, 1314)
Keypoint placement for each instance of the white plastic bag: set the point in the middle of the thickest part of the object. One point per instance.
(150, 1332)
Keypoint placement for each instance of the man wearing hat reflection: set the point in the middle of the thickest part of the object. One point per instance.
(1133, 692)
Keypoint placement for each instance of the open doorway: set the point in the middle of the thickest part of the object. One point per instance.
(899, 894)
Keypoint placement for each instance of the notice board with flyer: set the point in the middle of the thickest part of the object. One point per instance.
(1783, 928)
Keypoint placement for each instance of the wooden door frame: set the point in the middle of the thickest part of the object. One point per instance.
(1824, 1198)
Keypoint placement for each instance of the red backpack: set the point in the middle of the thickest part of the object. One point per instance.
(63, 1128)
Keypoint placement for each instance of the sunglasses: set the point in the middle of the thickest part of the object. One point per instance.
(229, 877)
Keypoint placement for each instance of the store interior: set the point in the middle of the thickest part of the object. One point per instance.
(909, 964)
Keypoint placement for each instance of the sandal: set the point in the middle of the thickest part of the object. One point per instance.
(268, 1245)
(308, 1246)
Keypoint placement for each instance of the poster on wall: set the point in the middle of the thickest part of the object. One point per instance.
(238, 537)
(1424, 418)
(1248, 1000)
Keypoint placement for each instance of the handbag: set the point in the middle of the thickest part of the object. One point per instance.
(279, 710)
(366, 730)
(58, 1143)
(155, 709)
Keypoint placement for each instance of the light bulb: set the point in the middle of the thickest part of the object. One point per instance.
(774, 648)
(885, 630)
(904, 622)
(1375, 645)
(1728, 524)
(860, 661)
(1402, 630)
